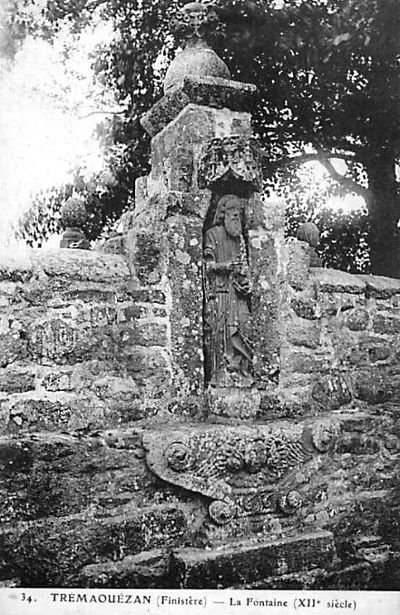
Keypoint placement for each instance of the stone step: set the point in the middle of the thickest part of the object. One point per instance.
(149, 569)
(51, 552)
(359, 576)
(368, 563)
(60, 474)
(193, 568)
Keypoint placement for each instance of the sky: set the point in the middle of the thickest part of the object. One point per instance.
(47, 121)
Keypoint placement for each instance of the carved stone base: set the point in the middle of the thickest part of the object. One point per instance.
(233, 402)
(243, 471)
(74, 238)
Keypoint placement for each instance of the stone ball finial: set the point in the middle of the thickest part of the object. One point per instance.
(73, 218)
(195, 23)
(73, 213)
(309, 233)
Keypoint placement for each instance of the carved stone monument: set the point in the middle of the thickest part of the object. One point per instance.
(202, 235)
(221, 247)
(200, 216)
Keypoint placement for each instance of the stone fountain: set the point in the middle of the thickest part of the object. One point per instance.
(210, 408)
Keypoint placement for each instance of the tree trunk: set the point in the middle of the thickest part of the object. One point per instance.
(384, 214)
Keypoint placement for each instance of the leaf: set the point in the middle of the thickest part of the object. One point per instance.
(341, 38)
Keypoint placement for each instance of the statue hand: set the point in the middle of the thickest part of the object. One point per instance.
(246, 287)
(234, 266)
(242, 285)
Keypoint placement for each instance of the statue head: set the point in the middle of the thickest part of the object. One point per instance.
(228, 214)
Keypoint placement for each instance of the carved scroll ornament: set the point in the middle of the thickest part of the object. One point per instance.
(242, 470)
(196, 19)
(230, 156)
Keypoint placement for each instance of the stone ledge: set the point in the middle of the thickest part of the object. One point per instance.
(198, 568)
(204, 91)
(194, 568)
(111, 449)
(332, 280)
(380, 287)
(147, 569)
(352, 577)
(83, 265)
(53, 551)
(16, 265)
(80, 265)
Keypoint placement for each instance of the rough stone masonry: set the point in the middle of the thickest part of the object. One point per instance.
(202, 409)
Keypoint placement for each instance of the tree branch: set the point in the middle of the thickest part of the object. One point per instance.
(346, 182)
(91, 6)
(101, 112)
(324, 157)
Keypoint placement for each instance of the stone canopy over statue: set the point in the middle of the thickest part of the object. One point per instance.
(227, 288)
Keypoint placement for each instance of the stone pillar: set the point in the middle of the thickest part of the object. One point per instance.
(201, 152)
(203, 234)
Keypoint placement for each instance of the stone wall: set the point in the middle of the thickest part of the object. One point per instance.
(83, 356)
(341, 338)
(86, 404)
(80, 348)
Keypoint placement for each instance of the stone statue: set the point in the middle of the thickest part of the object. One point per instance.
(227, 288)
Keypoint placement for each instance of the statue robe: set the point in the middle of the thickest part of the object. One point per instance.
(226, 310)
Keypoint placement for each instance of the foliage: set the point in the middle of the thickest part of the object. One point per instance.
(18, 19)
(42, 219)
(101, 195)
(344, 233)
(328, 75)
(344, 242)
